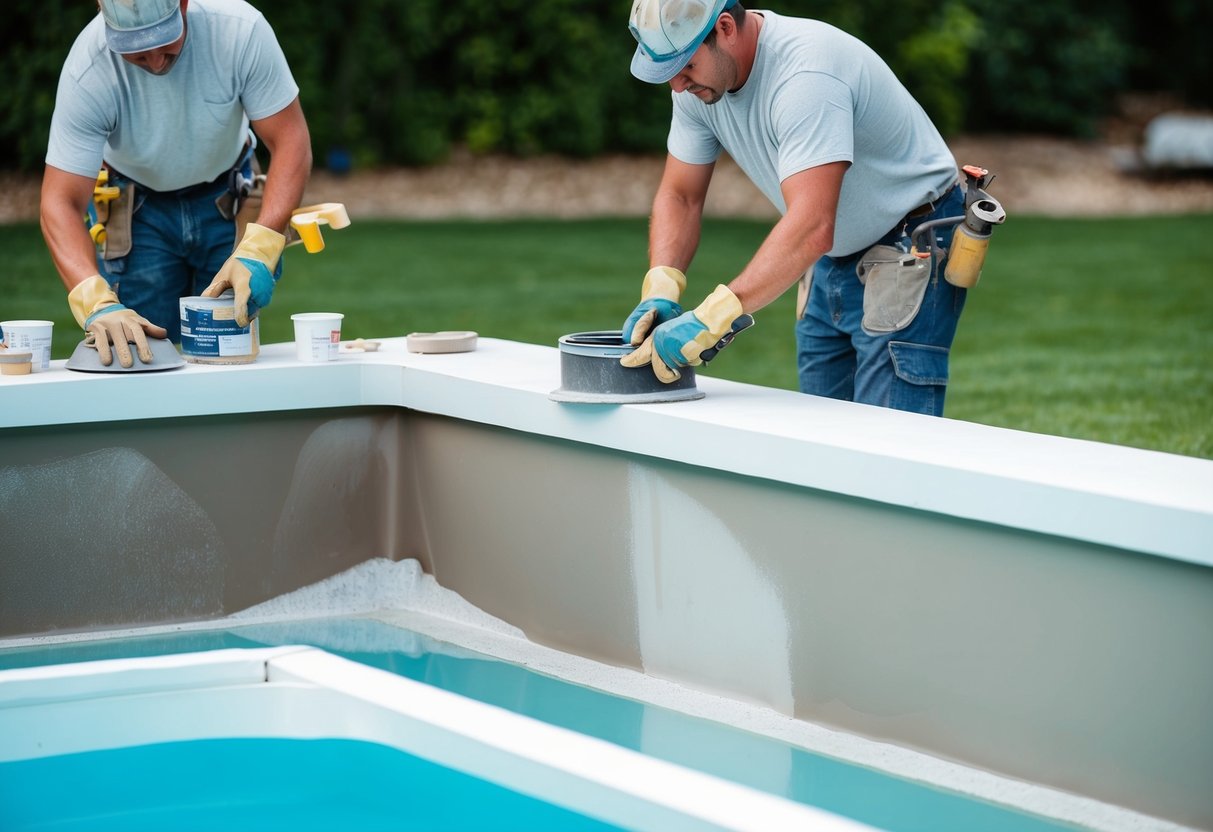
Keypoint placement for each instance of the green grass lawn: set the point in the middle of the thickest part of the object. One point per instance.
(1094, 329)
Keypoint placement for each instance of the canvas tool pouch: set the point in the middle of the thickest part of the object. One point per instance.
(118, 223)
(894, 284)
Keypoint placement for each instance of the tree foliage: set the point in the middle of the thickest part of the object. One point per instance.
(394, 82)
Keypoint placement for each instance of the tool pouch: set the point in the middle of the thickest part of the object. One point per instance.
(118, 224)
(894, 285)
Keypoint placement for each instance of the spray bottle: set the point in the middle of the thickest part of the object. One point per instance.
(972, 238)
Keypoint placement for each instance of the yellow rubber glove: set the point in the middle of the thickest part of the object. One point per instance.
(659, 294)
(97, 309)
(680, 342)
(251, 271)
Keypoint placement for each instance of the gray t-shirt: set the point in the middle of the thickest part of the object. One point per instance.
(182, 128)
(818, 95)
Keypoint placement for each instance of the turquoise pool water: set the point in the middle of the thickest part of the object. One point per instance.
(866, 795)
(266, 785)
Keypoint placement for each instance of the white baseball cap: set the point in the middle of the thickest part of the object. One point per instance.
(139, 25)
(669, 32)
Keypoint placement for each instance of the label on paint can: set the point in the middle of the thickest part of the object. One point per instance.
(210, 334)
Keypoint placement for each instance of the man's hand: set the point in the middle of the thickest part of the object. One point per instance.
(251, 271)
(659, 295)
(97, 309)
(679, 343)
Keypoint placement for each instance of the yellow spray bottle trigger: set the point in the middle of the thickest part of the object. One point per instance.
(306, 222)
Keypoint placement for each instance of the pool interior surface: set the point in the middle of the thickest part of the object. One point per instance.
(266, 784)
(865, 795)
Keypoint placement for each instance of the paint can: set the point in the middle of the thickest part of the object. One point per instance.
(210, 334)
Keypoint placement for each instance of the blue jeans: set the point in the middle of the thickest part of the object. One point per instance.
(179, 241)
(903, 370)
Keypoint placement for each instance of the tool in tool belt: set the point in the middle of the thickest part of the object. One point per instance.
(972, 238)
(239, 187)
(108, 215)
(99, 211)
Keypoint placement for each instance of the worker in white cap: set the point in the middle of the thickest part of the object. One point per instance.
(168, 99)
(853, 164)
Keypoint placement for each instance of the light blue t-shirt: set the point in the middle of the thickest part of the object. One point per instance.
(174, 130)
(818, 95)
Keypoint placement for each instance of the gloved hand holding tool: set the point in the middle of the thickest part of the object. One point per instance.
(682, 342)
(251, 271)
(96, 308)
(659, 295)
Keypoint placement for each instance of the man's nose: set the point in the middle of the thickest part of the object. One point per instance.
(679, 82)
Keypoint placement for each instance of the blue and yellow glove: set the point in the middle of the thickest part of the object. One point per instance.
(96, 307)
(680, 342)
(251, 271)
(659, 295)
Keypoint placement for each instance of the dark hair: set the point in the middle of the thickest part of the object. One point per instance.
(738, 13)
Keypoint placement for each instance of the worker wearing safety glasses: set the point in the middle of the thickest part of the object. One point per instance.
(159, 96)
(854, 165)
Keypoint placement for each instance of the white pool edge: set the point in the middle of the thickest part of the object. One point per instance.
(60, 709)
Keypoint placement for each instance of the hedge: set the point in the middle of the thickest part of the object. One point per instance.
(394, 82)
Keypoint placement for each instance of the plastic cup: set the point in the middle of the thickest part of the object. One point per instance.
(34, 336)
(317, 335)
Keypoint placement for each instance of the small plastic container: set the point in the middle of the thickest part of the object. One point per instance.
(33, 337)
(16, 362)
(317, 335)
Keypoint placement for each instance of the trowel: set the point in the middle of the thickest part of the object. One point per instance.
(85, 359)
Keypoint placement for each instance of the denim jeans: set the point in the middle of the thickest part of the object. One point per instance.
(179, 241)
(903, 370)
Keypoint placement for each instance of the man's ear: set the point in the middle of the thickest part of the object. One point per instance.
(726, 26)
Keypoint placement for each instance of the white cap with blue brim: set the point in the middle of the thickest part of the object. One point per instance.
(668, 33)
(141, 25)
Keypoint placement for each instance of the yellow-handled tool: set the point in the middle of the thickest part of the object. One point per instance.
(306, 222)
(103, 194)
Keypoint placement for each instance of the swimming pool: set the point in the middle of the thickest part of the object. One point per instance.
(272, 784)
(62, 721)
(770, 766)
(1025, 614)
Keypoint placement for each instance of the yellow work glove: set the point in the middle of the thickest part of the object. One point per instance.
(251, 271)
(659, 295)
(679, 343)
(97, 309)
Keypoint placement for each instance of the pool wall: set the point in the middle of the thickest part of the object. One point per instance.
(1035, 606)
